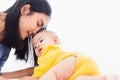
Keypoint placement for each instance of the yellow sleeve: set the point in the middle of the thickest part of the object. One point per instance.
(37, 72)
(42, 67)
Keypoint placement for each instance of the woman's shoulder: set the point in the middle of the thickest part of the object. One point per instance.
(2, 18)
(2, 24)
(2, 15)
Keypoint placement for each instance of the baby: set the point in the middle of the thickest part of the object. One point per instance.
(57, 64)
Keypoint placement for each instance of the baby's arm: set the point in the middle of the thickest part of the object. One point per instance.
(62, 71)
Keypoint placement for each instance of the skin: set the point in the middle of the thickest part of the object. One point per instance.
(2, 23)
(19, 73)
(28, 78)
(1, 78)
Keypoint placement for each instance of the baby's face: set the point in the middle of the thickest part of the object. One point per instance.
(40, 40)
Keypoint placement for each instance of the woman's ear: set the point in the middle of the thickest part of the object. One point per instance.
(25, 9)
(56, 40)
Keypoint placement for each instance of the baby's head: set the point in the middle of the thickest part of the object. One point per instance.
(42, 39)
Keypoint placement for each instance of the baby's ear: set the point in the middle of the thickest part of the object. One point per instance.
(56, 40)
(25, 9)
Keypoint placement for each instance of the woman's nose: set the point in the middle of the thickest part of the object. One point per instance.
(36, 30)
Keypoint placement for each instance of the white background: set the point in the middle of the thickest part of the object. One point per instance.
(87, 26)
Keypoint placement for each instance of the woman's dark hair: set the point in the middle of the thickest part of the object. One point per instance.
(12, 36)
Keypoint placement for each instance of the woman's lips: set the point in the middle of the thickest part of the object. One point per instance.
(29, 34)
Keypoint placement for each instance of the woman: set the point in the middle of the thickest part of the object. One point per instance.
(24, 19)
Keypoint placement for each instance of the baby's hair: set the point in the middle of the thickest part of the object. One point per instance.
(48, 32)
(51, 33)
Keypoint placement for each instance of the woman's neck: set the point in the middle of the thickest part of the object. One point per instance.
(2, 25)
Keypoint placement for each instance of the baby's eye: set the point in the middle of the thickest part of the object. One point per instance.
(41, 40)
(35, 47)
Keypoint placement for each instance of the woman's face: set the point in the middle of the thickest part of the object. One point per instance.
(30, 24)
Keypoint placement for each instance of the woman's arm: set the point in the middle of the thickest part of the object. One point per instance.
(18, 74)
(28, 78)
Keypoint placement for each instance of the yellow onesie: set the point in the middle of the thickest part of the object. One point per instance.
(52, 55)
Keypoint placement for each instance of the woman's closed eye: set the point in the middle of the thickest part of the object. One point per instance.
(40, 24)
